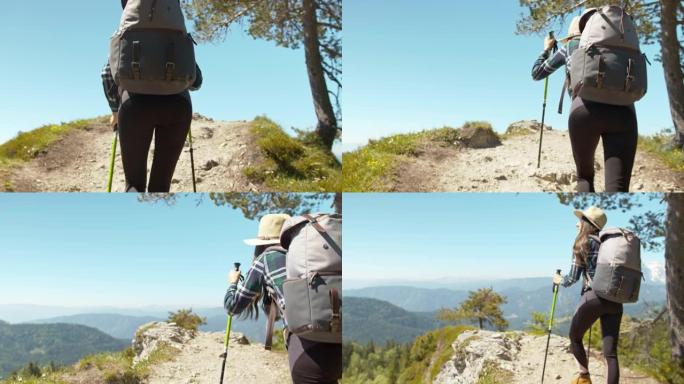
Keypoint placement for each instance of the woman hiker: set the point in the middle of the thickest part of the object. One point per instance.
(591, 121)
(591, 307)
(137, 117)
(310, 363)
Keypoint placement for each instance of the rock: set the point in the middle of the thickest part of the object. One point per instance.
(479, 136)
(150, 336)
(558, 377)
(502, 178)
(525, 127)
(206, 133)
(473, 350)
(210, 164)
(175, 181)
(199, 117)
(488, 159)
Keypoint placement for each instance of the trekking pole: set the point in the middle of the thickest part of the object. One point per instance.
(548, 338)
(226, 339)
(546, 92)
(113, 160)
(192, 161)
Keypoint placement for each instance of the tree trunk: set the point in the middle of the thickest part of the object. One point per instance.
(327, 123)
(674, 271)
(481, 323)
(337, 203)
(672, 66)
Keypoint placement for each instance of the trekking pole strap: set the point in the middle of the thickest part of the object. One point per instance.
(273, 308)
(323, 232)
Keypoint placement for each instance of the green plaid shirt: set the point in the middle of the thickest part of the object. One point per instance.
(268, 271)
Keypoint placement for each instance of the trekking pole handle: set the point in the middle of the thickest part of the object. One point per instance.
(237, 266)
(555, 44)
(558, 272)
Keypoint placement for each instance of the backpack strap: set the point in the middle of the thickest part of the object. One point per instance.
(566, 86)
(272, 310)
(335, 303)
(323, 233)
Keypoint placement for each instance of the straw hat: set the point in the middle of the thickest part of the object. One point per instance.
(594, 215)
(269, 230)
(573, 30)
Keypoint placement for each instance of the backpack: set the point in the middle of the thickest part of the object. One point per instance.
(618, 269)
(152, 52)
(608, 66)
(313, 288)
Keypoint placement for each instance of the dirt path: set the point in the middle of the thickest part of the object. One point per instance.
(561, 365)
(512, 167)
(79, 162)
(519, 357)
(199, 363)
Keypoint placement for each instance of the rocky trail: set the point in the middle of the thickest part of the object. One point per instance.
(512, 167)
(79, 161)
(519, 357)
(198, 361)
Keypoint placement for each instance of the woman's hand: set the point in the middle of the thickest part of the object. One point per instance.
(549, 42)
(114, 119)
(557, 279)
(233, 277)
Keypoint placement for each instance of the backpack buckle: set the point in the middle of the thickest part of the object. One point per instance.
(170, 69)
(135, 65)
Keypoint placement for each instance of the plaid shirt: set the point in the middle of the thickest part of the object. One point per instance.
(577, 271)
(545, 65)
(111, 90)
(268, 271)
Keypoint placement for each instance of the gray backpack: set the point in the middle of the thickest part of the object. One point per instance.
(313, 288)
(618, 269)
(608, 66)
(152, 52)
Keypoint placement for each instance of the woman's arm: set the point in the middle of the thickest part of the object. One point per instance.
(573, 276)
(239, 297)
(545, 66)
(111, 90)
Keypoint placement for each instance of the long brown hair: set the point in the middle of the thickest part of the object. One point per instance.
(581, 247)
(252, 310)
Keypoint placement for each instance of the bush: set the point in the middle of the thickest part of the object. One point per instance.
(294, 164)
(186, 319)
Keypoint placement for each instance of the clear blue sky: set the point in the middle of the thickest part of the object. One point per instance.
(461, 235)
(95, 250)
(53, 52)
(413, 65)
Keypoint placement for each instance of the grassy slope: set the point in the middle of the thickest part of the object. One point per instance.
(369, 169)
(103, 368)
(293, 164)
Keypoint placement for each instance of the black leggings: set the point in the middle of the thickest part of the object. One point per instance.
(590, 309)
(617, 126)
(169, 118)
(314, 363)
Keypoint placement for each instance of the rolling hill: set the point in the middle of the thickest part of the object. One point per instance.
(43, 343)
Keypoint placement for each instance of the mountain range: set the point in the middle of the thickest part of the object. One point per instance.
(45, 343)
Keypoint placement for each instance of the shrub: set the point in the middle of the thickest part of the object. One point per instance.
(186, 319)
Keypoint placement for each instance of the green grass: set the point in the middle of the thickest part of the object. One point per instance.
(659, 145)
(111, 367)
(27, 145)
(293, 164)
(369, 168)
(493, 374)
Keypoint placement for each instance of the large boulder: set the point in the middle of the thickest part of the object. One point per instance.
(151, 336)
(479, 135)
(525, 127)
(474, 351)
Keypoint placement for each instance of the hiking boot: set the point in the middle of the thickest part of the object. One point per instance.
(581, 379)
